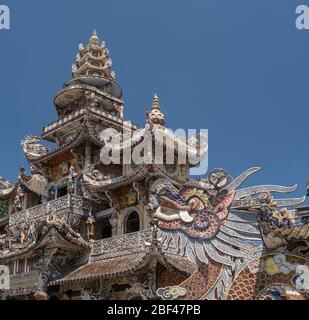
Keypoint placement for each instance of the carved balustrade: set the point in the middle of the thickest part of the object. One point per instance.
(66, 204)
(124, 244)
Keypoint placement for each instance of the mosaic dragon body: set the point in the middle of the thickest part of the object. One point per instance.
(221, 229)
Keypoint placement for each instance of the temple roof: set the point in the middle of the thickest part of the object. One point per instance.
(295, 233)
(59, 235)
(107, 268)
(155, 121)
(73, 121)
(114, 256)
(35, 183)
(96, 189)
(7, 189)
(35, 152)
(122, 255)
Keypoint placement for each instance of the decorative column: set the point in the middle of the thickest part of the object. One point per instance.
(25, 204)
(113, 221)
(87, 154)
(121, 112)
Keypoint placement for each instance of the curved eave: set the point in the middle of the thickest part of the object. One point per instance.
(84, 135)
(106, 269)
(187, 150)
(32, 184)
(111, 267)
(297, 233)
(95, 187)
(30, 247)
(6, 195)
(83, 57)
(18, 252)
(86, 67)
(92, 46)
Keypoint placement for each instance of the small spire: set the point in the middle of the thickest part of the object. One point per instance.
(155, 103)
(156, 116)
(94, 37)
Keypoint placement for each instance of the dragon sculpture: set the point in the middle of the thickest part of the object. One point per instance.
(32, 148)
(221, 229)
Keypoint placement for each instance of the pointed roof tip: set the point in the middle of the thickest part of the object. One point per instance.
(94, 35)
(155, 116)
(155, 102)
(155, 97)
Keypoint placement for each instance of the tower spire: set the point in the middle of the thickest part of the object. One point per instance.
(93, 60)
(155, 116)
(93, 82)
(94, 38)
(155, 103)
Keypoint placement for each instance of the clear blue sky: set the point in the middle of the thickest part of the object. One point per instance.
(238, 68)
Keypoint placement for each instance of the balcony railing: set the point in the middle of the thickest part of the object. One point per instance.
(123, 244)
(67, 204)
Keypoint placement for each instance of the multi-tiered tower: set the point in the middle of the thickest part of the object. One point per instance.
(77, 227)
(71, 198)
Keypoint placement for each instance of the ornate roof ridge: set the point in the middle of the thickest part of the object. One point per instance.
(24, 250)
(119, 263)
(61, 123)
(29, 246)
(96, 188)
(82, 135)
(35, 182)
(7, 189)
(120, 267)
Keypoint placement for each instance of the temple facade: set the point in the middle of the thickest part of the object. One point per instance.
(74, 227)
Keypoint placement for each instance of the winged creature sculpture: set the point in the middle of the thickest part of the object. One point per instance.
(215, 223)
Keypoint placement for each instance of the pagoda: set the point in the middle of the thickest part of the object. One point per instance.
(74, 227)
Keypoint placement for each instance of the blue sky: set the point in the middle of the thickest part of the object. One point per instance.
(238, 68)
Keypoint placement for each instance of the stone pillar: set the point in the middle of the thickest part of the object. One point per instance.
(113, 221)
(121, 112)
(25, 204)
(87, 153)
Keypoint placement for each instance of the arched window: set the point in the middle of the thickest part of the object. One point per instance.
(132, 222)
